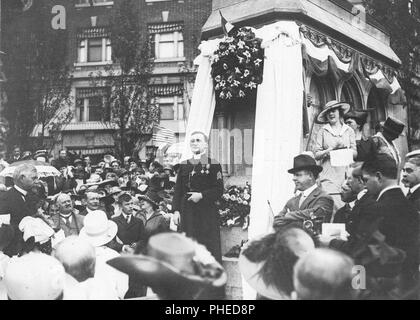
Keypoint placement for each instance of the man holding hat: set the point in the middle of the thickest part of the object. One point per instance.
(383, 142)
(313, 202)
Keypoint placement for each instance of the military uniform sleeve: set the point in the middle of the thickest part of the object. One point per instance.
(215, 191)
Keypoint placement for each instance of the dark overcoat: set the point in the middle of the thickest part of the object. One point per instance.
(200, 220)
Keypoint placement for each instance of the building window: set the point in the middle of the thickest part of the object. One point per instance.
(94, 50)
(171, 108)
(169, 45)
(92, 105)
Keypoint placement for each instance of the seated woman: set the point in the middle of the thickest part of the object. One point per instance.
(267, 264)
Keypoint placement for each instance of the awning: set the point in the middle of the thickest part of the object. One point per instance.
(91, 92)
(95, 32)
(165, 27)
(94, 151)
(167, 90)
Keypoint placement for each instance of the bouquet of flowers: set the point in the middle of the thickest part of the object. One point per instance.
(237, 66)
(234, 207)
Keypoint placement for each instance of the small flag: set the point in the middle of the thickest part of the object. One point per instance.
(226, 25)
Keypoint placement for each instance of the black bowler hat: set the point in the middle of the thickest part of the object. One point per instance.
(151, 196)
(393, 126)
(305, 162)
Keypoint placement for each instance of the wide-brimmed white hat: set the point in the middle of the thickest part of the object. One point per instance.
(344, 106)
(97, 229)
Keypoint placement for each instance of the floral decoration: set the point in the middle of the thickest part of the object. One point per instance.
(237, 67)
(235, 206)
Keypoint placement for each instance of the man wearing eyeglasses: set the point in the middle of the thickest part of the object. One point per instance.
(411, 180)
(199, 185)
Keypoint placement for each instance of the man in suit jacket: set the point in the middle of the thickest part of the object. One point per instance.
(391, 214)
(411, 180)
(356, 197)
(130, 229)
(16, 202)
(312, 202)
(67, 219)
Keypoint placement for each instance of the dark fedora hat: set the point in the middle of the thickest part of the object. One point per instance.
(305, 162)
(334, 104)
(393, 126)
(151, 196)
(175, 267)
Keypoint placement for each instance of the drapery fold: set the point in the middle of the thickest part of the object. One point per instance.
(278, 126)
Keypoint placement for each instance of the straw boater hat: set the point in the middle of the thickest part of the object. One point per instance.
(322, 118)
(176, 267)
(97, 229)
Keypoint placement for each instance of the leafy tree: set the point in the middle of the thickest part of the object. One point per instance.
(402, 19)
(39, 82)
(131, 101)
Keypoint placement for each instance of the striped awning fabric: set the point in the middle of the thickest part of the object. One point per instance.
(95, 32)
(167, 90)
(165, 27)
(93, 151)
(91, 92)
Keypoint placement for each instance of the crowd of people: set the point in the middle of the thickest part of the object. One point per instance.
(139, 230)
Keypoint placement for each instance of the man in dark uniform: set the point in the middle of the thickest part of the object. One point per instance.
(199, 185)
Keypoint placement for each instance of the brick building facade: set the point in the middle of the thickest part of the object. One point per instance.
(174, 27)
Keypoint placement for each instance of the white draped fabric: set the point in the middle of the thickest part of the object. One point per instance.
(203, 101)
(278, 123)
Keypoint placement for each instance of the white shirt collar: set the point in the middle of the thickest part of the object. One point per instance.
(344, 128)
(361, 194)
(413, 189)
(352, 204)
(126, 215)
(387, 189)
(307, 192)
(198, 156)
(21, 190)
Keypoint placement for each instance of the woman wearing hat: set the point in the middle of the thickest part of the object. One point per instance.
(175, 267)
(154, 222)
(334, 135)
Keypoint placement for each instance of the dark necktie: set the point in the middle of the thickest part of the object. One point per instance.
(409, 194)
(127, 218)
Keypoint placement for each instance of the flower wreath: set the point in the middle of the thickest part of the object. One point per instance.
(237, 66)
